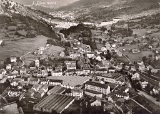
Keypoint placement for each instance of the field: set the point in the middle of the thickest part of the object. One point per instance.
(142, 32)
(52, 51)
(21, 47)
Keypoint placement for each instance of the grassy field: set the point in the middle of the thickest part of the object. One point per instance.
(53, 50)
(142, 32)
(21, 47)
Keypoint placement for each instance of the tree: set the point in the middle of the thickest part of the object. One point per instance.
(8, 60)
(144, 59)
(100, 40)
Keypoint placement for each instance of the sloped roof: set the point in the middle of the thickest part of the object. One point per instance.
(56, 89)
(93, 83)
(54, 102)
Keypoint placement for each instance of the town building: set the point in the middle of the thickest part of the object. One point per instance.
(93, 88)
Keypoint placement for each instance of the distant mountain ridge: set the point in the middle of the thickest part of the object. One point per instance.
(106, 9)
(45, 5)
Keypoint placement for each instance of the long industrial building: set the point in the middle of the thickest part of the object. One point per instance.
(54, 103)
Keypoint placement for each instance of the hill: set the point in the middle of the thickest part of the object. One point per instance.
(45, 5)
(91, 10)
(23, 29)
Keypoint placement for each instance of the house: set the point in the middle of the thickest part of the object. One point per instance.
(114, 78)
(53, 82)
(62, 54)
(96, 103)
(1, 76)
(15, 72)
(54, 73)
(70, 72)
(3, 71)
(77, 93)
(37, 63)
(44, 81)
(90, 55)
(93, 88)
(13, 59)
(74, 55)
(44, 73)
(70, 64)
(14, 83)
(136, 76)
(58, 68)
(33, 68)
(8, 67)
(11, 76)
(111, 70)
(23, 71)
(42, 91)
(34, 81)
(121, 94)
(36, 87)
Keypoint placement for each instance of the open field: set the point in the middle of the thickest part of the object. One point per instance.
(21, 47)
(142, 32)
(52, 51)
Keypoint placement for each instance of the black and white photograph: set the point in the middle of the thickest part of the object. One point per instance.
(79, 56)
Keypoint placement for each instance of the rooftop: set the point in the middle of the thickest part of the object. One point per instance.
(54, 102)
(71, 80)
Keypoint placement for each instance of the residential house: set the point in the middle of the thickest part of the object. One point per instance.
(44, 73)
(33, 69)
(37, 63)
(70, 72)
(93, 88)
(58, 68)
(8, 67)
(121, 94)
(62, 54)
(74, 55)
(42, 91)
(96, 103)
(56, 73)
(111, 70)
(34, 81)
(3, 71)
(13, 59)
(90, 55)
(70, 64)
(14, 83)
(53, 82)
(77, 93)
(36, 87)
(11, 76)
(15, 72)
(44, 81)
(114, 78)
(23, 71)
